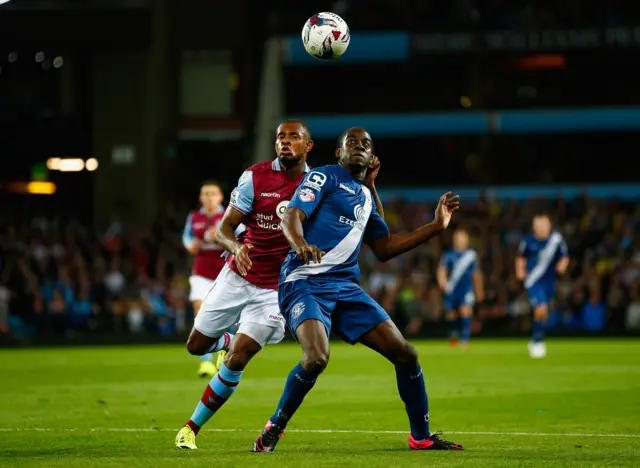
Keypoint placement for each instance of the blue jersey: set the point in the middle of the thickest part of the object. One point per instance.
(542, 257)
(460, 266)
(341, 214)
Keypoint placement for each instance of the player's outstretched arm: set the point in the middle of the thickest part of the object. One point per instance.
(293, 231)
(390, 246)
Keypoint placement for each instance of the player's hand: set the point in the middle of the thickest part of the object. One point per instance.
(241, 257)
(372, 172)
(521, 275)
(210, 234)
(446, 206)
(309, 253)
(195, 247)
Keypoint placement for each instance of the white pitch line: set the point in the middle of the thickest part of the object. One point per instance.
(313, 431)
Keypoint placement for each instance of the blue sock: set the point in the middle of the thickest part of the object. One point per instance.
(298, 385)
(206, 357)
(466, 328)
(414, 395)
(538, 331)
(219, 390)
(452, 325)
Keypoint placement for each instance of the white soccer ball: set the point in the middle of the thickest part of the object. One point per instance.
(326, 36)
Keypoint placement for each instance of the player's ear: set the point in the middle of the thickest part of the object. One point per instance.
(338, 153)
(309, 145)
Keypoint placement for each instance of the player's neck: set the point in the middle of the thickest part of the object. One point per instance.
(357, 171)
(295, 171)
(210, 212)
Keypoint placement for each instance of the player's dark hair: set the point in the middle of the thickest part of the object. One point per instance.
(302, 123)
(211, 182)
(543, 214)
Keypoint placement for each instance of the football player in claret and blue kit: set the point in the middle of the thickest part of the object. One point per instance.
(334, 210)
(198, 238)
(245, 292)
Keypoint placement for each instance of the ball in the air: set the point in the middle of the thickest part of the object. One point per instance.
(326, 36)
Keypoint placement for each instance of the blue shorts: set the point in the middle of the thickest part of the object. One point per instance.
(541, 294)
(455, 301)
(343, 307)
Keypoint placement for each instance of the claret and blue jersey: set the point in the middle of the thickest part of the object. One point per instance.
(542, 256)
(340, 215)
(461, 265)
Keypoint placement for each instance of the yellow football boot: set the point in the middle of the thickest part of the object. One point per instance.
(186, 439)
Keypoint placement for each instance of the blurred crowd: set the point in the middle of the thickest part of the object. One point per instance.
(461, 15)
(65, 279)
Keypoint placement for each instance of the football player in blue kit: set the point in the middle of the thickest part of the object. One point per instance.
(460, 279)
(541, 258)
(334, 210)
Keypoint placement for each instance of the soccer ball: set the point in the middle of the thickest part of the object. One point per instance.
(325, 36)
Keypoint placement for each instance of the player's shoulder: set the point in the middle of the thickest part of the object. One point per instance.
(262, 167)
(320, 178)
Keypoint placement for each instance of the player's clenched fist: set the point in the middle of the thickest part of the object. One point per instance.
(309, 253)
(241, 257)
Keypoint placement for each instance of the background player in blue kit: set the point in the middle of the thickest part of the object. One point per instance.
(541, 258)
(460, 279)
(333, 211)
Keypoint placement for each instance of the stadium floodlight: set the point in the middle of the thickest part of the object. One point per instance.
(4, 1)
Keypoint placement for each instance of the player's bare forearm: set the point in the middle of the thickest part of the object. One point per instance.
(225, 235)
(386, 248)
(376, 199)
(442, 278)
(521, 268)
(292, 227)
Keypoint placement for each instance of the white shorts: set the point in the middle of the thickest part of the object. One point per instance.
(200, 287)
(233, 300)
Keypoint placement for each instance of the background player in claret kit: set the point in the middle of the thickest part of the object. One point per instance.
(331, 214)
(541, 258)
(246, 290)
(198, 238)
(460, 279)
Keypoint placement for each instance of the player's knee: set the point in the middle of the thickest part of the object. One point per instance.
(541, 312)
(196, 346)
(238, 358)
(315, 362)
(451, 315)
(407, 356)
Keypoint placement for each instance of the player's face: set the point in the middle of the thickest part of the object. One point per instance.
(460, 240)
(541, 227)
(211, 197)
(356, 150)
(292, 144)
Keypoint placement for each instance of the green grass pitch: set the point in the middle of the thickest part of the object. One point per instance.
(122, 406)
